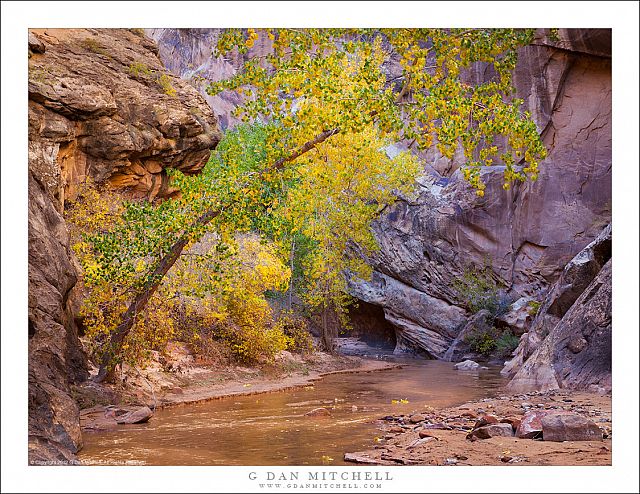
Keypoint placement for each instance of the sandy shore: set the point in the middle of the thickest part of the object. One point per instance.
(157, 389)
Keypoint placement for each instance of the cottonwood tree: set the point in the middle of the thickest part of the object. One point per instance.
(322, 94)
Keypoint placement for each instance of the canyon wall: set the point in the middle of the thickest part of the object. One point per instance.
(101, 106)
(525, 235)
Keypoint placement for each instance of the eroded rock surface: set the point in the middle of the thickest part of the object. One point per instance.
(527, 234)
(56, 358)
(577, 351)
(101, 105)
(575, 278)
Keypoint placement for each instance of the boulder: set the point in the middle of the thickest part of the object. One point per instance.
(491, 430)
(137, 416)
(468, 365)
(530, 426)
(513, 421)
(518, 318)
(569, 427)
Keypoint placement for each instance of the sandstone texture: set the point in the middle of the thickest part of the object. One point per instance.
(569, 427)
(188, 53)
(56, 358)
(102, 107)
(553, 316)
(577, 351)
(492, 430)
(527, 234)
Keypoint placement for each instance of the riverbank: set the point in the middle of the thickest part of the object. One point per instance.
(445, 436)
(187, 382)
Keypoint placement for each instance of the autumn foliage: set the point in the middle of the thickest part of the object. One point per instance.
(286, 202)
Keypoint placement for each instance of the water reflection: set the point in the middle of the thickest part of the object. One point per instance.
(266, 430)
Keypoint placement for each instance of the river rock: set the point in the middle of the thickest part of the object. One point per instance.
(569, 427)
(414, 419)
(468, 365)
(491, 430)
(485, 420)
(137, 416)
(319, 412)
(437, 426)
(530, 425)
(513, 421)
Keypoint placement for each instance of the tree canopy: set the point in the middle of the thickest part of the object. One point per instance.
(312, 162)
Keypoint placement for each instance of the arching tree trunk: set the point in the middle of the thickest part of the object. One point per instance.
(116, 339)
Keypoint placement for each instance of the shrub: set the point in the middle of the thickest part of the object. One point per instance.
(139, 69)
(255, 344)
(482, 342)
(92, 45)
(165, 83)
(236, 311)
(534, 307)
(295, 328)
(492, 342)
(506, 344)
(478, 290)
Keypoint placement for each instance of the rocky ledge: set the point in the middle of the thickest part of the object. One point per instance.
(101, 105)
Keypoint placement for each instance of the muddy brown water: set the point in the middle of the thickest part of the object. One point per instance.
(272, 428)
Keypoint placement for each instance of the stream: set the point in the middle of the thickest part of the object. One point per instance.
(272, 428)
